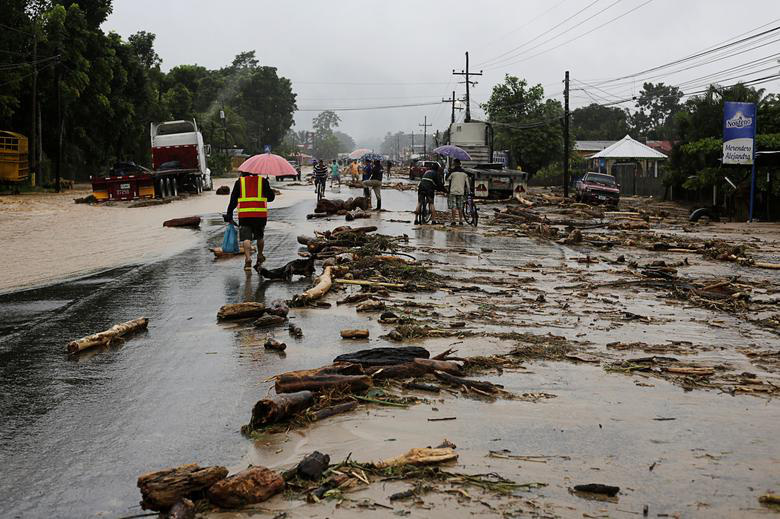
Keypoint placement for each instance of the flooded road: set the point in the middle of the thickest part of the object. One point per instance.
(76, 433)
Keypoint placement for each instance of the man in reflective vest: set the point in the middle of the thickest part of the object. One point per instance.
(251, 195)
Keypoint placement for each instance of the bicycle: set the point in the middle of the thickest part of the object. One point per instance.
(320, 185)
(470, 213)
(426, 211)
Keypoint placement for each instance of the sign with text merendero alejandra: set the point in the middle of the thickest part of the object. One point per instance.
(739, 132)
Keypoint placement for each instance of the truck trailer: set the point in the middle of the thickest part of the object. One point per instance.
(491, 179)
(178, 165)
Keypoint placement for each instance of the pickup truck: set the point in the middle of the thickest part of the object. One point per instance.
(597, 188)
(418, 168)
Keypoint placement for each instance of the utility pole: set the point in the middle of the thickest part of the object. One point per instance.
(58, 158)
(425, 126)
(452, 100)
(467, 74)
(566, 136)
(33, 155)
(412, 143)
(224, 134)
(398, 147)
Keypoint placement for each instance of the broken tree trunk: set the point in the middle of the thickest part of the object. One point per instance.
(317, 383)
(446, 366)
(341, 368)
(333, 410)
(162, 489)
(189, 221)
(324, 282)
(384, 356)
(419, 457)
(248, 487)
(105, 338)
(476, 384)
(240, 311)
(279, 407)
(764, 265)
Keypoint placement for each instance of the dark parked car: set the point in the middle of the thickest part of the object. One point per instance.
(597, 188)
(418, 168)
(297, 167)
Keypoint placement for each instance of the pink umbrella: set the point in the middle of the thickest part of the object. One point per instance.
(267, 164)
(358, 153)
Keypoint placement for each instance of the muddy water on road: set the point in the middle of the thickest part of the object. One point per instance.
(75, 434)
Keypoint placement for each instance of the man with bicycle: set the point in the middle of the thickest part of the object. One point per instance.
(429, 183)
(320, 177)
(458, 185)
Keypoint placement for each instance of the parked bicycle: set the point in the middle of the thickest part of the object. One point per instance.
(470, 213)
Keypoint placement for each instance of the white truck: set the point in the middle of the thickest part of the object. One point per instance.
(491, 179)
(179, 158)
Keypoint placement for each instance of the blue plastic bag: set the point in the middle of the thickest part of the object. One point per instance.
(230, 240)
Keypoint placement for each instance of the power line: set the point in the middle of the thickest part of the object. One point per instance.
(370, 83)
(576, 37)
(350, 109)
(489, 61)
(692, 56)
(508, 58)
(526, 24)
(695, 65)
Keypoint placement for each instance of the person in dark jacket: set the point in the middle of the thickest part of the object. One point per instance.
(430, 182)
(365, 170)
(375, 182)
(251, 195)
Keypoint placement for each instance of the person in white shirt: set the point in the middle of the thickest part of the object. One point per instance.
(458, 184)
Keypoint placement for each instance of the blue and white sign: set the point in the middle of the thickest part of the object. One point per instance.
(739, 132)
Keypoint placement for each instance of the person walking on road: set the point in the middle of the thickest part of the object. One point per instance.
(335, 174)
(458, 184)
(375, 181)
(251, 195)
(389, 166)
(354, 170)
(366, 171)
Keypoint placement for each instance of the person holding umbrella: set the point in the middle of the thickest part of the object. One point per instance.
(251, 195)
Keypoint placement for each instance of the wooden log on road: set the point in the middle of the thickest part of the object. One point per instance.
(162, 489)
(354, 334)
(107, 337)
(476, 384)
(339, 368)
(426, 456)
(384, 356)
(765, 265)
(333, 410)
(248, 487)
(235, 311)
(324, 282)
(446, 366)
(317, 383)
(271, 410)
(189, 221)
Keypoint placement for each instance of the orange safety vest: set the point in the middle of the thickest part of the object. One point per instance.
(252, 203)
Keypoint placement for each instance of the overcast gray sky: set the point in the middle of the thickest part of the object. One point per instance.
(368, 53)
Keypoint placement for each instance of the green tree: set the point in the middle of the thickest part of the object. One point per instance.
(597, 122)
(326, 144)
(526, 123)
(656, 107)
(267, 102)
(346, 143)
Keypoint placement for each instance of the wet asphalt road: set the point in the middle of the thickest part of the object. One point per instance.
(75, 433)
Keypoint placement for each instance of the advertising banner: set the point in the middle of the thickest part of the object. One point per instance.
(739, 132)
